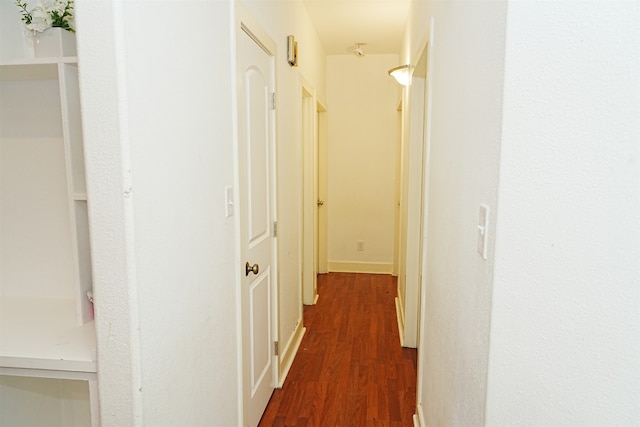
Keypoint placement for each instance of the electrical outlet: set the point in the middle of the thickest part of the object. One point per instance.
(360, 245)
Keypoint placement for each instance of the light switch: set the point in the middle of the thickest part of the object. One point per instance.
(228, 201)
(483, 230)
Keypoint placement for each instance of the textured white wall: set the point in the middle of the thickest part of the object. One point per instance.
(181, 161)
(363, 135)
(159, 134)
(101, 85)
(467, 70)
(564, 337)
(565, 341)
(159, 108)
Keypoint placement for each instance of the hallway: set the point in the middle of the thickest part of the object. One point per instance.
(350, 369)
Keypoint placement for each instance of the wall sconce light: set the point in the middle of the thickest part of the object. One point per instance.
(402, 74)
(292, 51)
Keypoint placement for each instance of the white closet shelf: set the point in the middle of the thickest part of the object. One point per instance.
(40, 61)
(43, 334)
(33, 68)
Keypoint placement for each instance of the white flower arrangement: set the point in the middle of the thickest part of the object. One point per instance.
(47, 14)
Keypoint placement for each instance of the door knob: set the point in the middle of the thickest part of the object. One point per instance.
(320, 203)
(248, 268)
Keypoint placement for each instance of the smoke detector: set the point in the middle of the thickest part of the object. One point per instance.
(358, 50)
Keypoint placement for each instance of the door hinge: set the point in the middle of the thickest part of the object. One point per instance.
(275, 228)
(276, 348)
(273, 101)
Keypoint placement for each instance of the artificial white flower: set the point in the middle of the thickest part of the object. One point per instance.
(58, 6)
(40, 19)
(46, 14)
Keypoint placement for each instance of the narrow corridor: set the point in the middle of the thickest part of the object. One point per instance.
(350, 369)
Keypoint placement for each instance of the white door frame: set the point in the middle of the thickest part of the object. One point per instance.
(397, 225)
(245, 24)
(309, 192)
(425, 55)
(415, 172)
(414, 192)
(321, 188)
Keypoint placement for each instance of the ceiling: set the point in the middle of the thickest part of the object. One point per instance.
(343, 23)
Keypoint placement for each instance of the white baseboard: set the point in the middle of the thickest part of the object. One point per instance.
(315, 301)
(400, 317)
(360, 267)
(288, 354)
(418, 418)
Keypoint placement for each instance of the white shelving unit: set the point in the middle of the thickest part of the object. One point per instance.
(46, 320)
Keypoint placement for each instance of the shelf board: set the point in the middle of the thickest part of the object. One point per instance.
(33, 68)
(80, 197)
(39, 61)
(43, 334)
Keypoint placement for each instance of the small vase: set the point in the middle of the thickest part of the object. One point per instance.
(54, 42)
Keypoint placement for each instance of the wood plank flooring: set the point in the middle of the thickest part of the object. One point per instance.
(350, 369)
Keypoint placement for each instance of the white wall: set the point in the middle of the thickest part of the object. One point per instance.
(157, 97)
(34, 214)
(158, 105)
(280, 19)
(29, 401)
(13, 43)
(546, 331)
(565, 336)
(468, 48)
(362, 139)
(34, 210)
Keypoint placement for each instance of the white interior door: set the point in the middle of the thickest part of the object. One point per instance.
(257, 214)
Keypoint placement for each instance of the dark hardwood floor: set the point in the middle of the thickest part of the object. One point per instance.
(350, 369)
